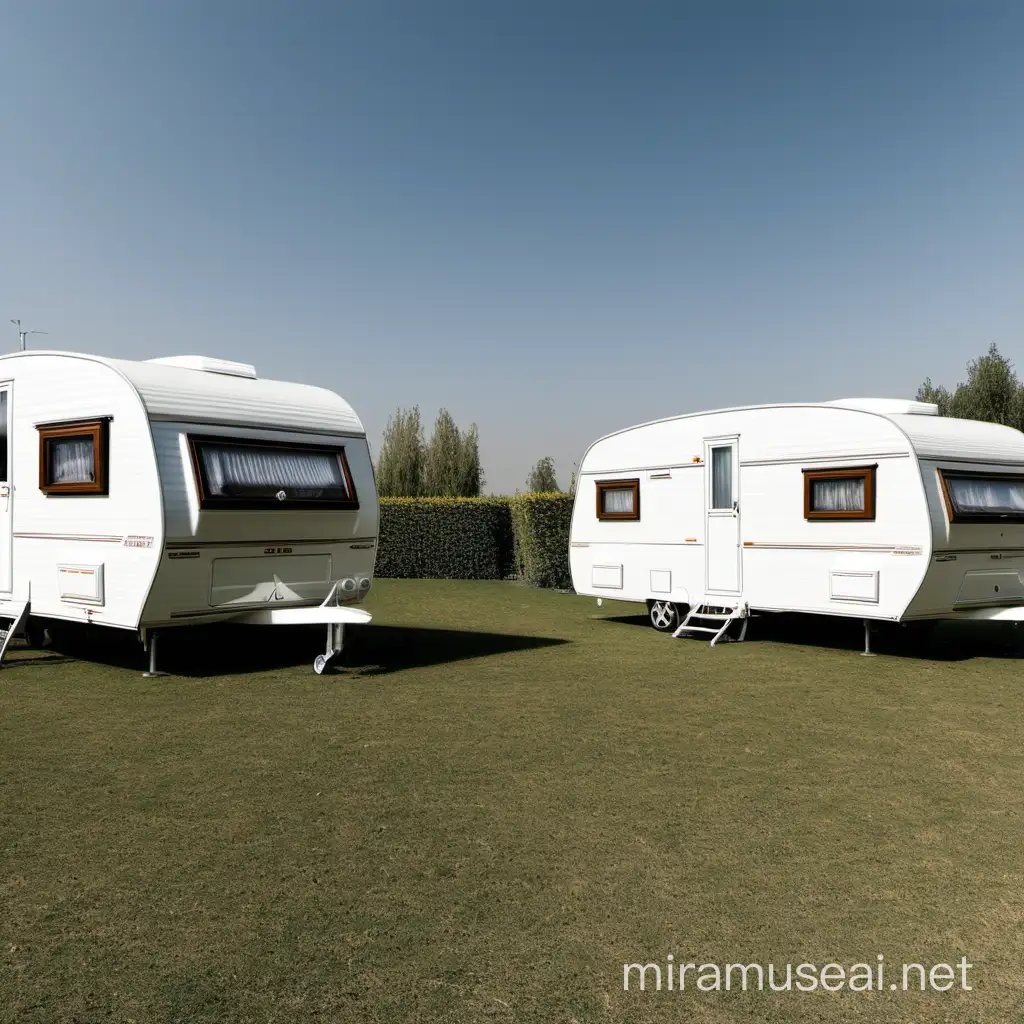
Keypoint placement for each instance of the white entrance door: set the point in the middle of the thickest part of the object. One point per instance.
(722, 541)
(6, 490)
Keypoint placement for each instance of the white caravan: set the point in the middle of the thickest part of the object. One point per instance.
(153, 495)
(872, 508)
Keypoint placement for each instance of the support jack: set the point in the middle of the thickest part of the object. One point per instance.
(153, 672)
(867, 652)
(335, 645)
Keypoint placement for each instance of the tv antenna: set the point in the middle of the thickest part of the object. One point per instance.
(22, 335)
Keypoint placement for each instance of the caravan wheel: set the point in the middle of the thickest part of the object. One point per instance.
(664, 616)
(324, 663)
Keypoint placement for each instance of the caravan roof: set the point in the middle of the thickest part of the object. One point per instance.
(930, 435)
(201, 389)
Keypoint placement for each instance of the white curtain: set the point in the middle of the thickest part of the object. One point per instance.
(721, 478)
(299, 474)
(72, 461)
(619, 499)
(845, 494)
(993, 496)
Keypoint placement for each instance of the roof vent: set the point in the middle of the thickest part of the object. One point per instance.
(888, 406)
(209, 365)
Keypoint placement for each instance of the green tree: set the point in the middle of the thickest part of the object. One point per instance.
(471, 474)
(441, 471)
(400, 464)
(991, 393)
(990, 390)
(542, 476)
(935, 396)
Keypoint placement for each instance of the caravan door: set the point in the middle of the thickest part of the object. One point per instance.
(722, 536)
(6, 490)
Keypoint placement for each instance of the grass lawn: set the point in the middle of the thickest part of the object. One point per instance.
(507, 795)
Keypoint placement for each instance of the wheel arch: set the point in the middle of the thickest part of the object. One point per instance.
(679, 597)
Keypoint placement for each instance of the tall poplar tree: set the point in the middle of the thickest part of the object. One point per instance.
(400, 465)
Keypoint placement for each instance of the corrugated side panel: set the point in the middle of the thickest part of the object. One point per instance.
(172, 392)
(177, 514)
(940, 437)
(278, 524)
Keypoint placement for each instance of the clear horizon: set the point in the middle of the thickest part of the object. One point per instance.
(553, 220)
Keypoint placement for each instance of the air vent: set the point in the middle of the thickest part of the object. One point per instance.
(208, 365)
(888, 406)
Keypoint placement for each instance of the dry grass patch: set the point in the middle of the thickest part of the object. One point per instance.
(507, 795)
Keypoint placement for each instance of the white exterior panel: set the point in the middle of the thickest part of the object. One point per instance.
(121, 531)
(144, 554)
(910, 561)
(785, 562)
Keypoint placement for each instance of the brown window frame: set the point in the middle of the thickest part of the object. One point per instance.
(98, 430)
(209, 502)
(608, 485)
(981, 517)
(845, 473)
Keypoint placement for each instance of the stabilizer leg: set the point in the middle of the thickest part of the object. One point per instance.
(867, 652)
(153, 672)
(335, 645)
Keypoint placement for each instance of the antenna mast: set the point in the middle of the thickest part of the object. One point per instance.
(22, 335)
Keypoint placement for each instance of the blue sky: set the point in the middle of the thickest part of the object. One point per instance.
(554, 219)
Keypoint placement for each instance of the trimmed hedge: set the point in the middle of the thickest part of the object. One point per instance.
(445, 538)
(540, 524)
(476, 539)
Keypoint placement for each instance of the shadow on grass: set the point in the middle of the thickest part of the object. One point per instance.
(378, 650)
(226, 649)
(944, 640)
(29, 658)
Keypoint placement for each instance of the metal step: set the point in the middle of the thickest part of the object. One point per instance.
(727, 617)
(11, 616)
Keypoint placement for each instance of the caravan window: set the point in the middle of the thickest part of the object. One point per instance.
(618, 499)
(983, 498)
(839, 493)
(73, 457)
(241, 473)
(721, 477)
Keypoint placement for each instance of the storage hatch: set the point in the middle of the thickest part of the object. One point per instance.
(269, 578)
(991, 587)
